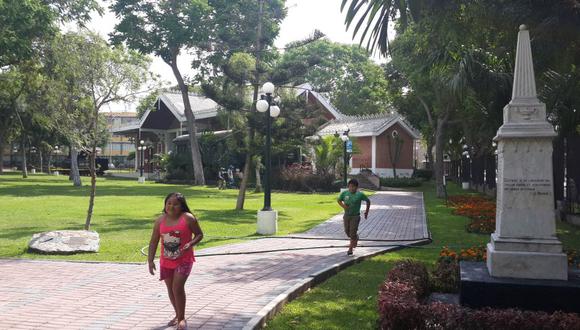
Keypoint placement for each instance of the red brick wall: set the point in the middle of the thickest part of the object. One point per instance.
(363, 158)
(406, 158)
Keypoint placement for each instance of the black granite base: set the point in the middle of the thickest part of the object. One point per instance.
(479, 289)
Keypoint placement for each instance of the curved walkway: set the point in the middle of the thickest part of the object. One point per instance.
(231, 291)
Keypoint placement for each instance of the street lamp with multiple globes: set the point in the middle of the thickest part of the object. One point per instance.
(267, 105)
(141, 149)
(267, 218)
(344, 138)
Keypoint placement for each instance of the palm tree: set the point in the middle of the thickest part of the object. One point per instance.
(380, 15)
(327, 154)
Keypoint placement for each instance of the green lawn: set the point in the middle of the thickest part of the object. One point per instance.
(349, 299)
(125, 210)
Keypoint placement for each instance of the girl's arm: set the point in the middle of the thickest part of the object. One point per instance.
(153, 246)
(195, 229)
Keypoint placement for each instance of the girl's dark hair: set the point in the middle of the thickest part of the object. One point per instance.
(180, 199)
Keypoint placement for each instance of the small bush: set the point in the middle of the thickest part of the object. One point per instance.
(301, 178)
(445, 276)
(400, 308)
(413, 273)
(401, 182)
(179, 166)
(423, 174)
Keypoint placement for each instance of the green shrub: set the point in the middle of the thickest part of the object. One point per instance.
(301, 178)
(423, 174)
(401, 182)
(178, 166)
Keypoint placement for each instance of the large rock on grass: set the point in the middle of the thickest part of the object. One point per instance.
(65, 242)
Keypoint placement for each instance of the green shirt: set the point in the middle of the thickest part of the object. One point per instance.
(353, 201)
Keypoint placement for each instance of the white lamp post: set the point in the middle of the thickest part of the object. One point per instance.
(141, 149)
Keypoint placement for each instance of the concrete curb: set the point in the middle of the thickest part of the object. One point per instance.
(268, 312)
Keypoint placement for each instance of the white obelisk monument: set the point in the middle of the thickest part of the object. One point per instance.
(524, 244)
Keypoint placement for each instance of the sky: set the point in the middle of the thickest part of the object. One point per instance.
(303, 17)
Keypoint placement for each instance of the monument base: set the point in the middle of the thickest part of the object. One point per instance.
(267, 222)
(479, 289)
(526, 259)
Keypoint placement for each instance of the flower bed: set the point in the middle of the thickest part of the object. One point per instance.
(401, 306)
(480, 210)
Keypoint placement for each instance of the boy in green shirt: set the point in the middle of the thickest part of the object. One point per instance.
(350, 201)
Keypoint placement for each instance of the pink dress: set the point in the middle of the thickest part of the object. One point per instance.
(173, 238)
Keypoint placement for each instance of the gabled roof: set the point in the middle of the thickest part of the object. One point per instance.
(201, 106)
(368, 125)
(306, 88)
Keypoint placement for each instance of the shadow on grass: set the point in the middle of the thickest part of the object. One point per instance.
(104, 190)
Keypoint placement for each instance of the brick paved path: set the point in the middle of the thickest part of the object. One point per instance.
(223, 292)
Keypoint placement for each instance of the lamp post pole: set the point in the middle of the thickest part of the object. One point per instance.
(141, 149)
(267, 218)
(268, 160)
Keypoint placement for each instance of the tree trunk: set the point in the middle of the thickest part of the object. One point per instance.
(93, 187)
(244, 184)
(439, 163)
(430, 137)
(257, 167)
(41, 160)
(74, 167)
(49, 160)
(1, 154)
(92, 158)
(24, 165)
(429, 153)
(199, 178)
(251, 132)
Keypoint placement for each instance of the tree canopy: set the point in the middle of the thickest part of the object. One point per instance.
(345, 73)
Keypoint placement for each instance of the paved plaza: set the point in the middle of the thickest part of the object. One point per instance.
(231, 287)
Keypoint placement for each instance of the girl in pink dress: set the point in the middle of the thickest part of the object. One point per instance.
(175, 229)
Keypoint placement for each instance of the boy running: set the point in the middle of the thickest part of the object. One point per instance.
(350, 201)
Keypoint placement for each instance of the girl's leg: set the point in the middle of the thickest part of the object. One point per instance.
(169, 284)
(179, 295)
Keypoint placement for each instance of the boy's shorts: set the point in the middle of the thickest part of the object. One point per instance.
(351, 225)
(184, 269)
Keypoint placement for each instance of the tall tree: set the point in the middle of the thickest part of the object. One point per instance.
(104, 75)
(26, 22)
(168, 28)
(242, 27)
(439, 52)
(25, 26)
(345, 73)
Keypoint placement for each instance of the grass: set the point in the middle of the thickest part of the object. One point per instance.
(125, 210)
(349, 299)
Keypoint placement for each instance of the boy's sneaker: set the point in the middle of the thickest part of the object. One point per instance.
(349, 253)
